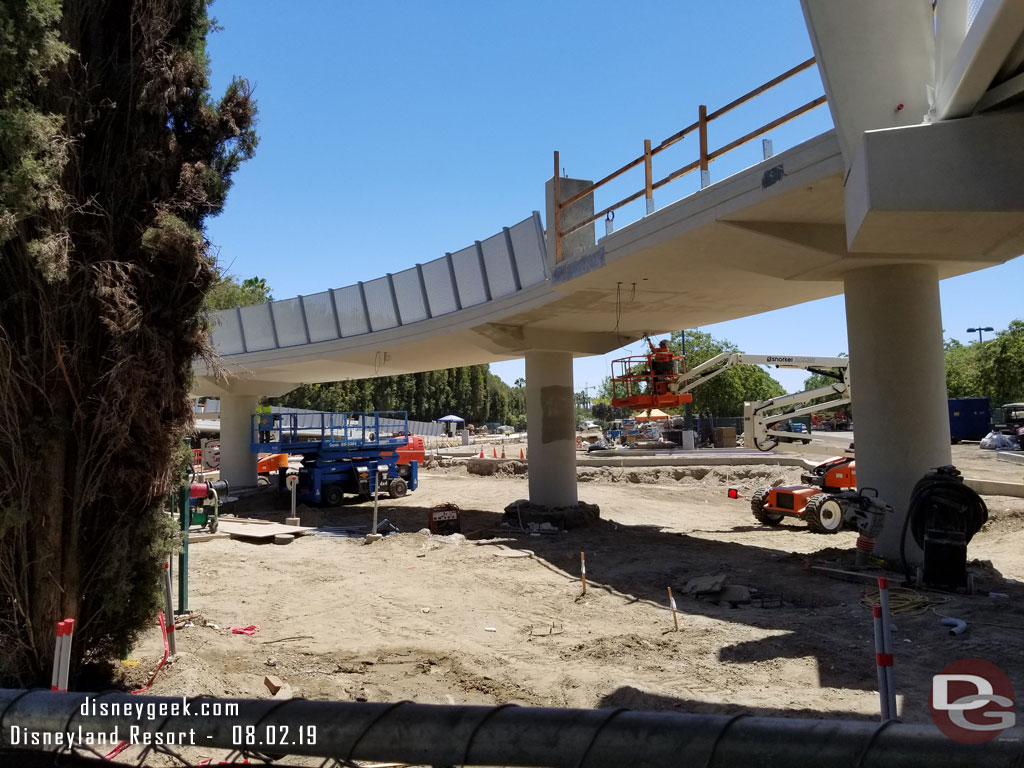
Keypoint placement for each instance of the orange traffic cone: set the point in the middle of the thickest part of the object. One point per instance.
(481, 451)
(495, 452)
(503, 451)
(521, 454)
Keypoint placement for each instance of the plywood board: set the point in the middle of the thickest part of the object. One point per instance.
(243, 531)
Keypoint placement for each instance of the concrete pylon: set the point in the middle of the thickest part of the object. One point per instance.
(551, 429)
(901, 412)
(237, 461)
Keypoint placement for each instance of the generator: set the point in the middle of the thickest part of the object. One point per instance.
(445, 519)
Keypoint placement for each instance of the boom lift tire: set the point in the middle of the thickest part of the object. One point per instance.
(397, 488)
(757, 502)
(824, 514)
(332, 496)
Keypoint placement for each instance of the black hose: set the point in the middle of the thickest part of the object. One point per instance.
(940, 499)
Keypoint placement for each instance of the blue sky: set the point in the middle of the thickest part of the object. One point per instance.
(392, 132)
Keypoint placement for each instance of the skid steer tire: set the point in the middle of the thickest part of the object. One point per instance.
(823, 514)
(763, 516)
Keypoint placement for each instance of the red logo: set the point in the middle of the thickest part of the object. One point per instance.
(972, 701)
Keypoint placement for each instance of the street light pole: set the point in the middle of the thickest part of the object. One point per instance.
(979, 330)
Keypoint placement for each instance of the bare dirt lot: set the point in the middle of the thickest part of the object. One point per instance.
(499, 617)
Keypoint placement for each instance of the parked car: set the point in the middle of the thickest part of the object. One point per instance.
(797, 427)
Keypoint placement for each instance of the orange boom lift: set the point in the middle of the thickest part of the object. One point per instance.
(643, 382)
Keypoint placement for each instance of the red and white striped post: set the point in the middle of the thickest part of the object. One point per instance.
(890, 685)
(65, 634)
(58, 650)
(880, 659)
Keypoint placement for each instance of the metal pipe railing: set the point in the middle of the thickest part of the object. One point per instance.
(704, 156)
(513, 736)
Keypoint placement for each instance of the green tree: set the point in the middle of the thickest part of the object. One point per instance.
(112, 156)
(962, 374)
(1000, 365)
(228, 293)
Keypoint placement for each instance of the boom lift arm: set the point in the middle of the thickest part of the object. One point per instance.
(760, 417)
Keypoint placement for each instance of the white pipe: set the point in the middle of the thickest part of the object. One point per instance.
(958, 626)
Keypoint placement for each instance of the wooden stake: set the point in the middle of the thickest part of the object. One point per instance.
(672, 605)
(583, 572)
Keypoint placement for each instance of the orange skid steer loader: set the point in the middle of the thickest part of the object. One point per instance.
(814, 501)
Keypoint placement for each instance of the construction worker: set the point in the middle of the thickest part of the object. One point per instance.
(265, 421)
(663, 366)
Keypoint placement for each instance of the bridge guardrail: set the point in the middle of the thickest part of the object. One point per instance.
(702, 162)
(503, 264)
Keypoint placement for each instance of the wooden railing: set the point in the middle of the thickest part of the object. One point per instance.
(702, 162)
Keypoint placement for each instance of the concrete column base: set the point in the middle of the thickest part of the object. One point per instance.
(237, 461)
(551, 429)
(900, 408)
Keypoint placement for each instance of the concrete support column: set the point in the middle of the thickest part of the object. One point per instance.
(901, 413)
(551, 429)
(237, 462)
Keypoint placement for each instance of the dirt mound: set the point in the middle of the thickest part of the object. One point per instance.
(521, 513)
(747, 476)
(503, 467)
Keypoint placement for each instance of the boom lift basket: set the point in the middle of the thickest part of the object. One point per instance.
(641, 382)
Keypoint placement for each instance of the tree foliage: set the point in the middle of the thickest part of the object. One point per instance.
(472, 392)
(992, 369)
(227, 292)
(112, 154)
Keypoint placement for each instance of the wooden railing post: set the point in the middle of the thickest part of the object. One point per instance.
(702, 130)
(648, 189)
(557, 224)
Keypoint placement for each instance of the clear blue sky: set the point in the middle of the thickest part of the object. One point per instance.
(392, 132)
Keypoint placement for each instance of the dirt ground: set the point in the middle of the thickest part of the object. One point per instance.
(498, 616)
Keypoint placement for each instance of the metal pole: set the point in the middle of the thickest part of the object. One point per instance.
(186, 521)
(169, 608)
(518, 736)
(376, 495)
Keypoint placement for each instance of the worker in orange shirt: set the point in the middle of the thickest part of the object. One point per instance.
(663, 366)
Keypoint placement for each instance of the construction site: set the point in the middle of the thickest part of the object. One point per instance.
(826, 575)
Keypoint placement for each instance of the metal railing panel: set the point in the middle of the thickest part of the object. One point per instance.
(469, 277)
(351, 311)
(410, 297)
(258, 327)
(227, 332)
(291, 330)
(529, 251)
(323, 325)
(440, 292)
(498, 264)
(379, 304)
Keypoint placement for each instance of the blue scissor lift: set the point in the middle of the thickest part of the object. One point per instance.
(342, 453)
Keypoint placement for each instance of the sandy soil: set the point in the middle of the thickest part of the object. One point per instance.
(498, 616)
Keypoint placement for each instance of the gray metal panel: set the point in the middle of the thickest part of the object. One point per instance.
(291, 330)
(227, 332)
(258, 327)
(527, 242)
(410, 297)
(378, 302)
(320, 317)
(351, 310)
(469, 277)
(499, 269)
(439, 287)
